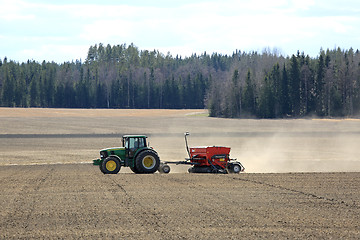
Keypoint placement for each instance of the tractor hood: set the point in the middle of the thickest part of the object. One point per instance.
(104, 153)
(113, 149)
(118, 151)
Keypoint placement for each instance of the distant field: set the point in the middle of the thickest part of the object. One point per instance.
(53, 112)
(42, 136)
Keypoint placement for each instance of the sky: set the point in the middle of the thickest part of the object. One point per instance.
(62, 31)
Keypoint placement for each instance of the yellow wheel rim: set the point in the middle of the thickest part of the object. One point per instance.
(149, 162)
(111, 165)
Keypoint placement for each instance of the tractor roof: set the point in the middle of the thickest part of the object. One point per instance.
(134, 136)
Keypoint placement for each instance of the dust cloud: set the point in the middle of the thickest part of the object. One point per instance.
(274, 146)
(303, 147)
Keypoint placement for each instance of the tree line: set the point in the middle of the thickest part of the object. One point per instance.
(240, 85)
(111, 77)
(270, 86)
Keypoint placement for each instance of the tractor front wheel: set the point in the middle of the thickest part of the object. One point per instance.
(111, 165)
(101, 168)
(147, 162)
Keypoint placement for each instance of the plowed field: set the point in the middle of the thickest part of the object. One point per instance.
(301, 180)
(76, 201)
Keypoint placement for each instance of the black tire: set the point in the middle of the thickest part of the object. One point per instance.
(111, 165)
(101, 168)
(235, 168)
(164, 168)
(147, 162)
(134, 169)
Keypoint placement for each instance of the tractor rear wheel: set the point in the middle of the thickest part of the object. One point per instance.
(147, 162)
(111, 165)
(134, 169)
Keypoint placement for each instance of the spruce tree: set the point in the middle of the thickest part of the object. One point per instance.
(319, 86)
(284, 94)
(249, 101)
(294, 86)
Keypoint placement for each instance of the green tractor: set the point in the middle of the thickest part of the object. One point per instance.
(135, 154)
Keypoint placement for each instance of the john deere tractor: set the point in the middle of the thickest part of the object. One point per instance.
(135, 154)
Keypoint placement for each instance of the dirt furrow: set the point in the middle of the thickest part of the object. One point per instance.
(332, 200)
(143, 212)
(20, 207)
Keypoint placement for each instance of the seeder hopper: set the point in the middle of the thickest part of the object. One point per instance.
(208, 159)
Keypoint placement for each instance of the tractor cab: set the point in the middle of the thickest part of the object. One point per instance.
(132, 143)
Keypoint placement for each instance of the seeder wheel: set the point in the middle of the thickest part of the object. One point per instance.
(164, 168)
(235, 168)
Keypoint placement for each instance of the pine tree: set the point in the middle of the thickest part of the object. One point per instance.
(59, 100)
(249, 101)
(294, 86)
(20, 90)
(275, 76)
(284, 94)
(8, 89)
(34, 94)
(236, 92)
(319, 86)
(267, 100)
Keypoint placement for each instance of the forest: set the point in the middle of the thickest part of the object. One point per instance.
(240, 85)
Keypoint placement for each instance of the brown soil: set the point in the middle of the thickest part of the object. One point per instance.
(77, 201)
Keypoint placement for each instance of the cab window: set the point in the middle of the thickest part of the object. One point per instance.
(135, 143)
(142, 142)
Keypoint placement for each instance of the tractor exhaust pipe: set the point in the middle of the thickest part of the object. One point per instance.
(186, 143)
